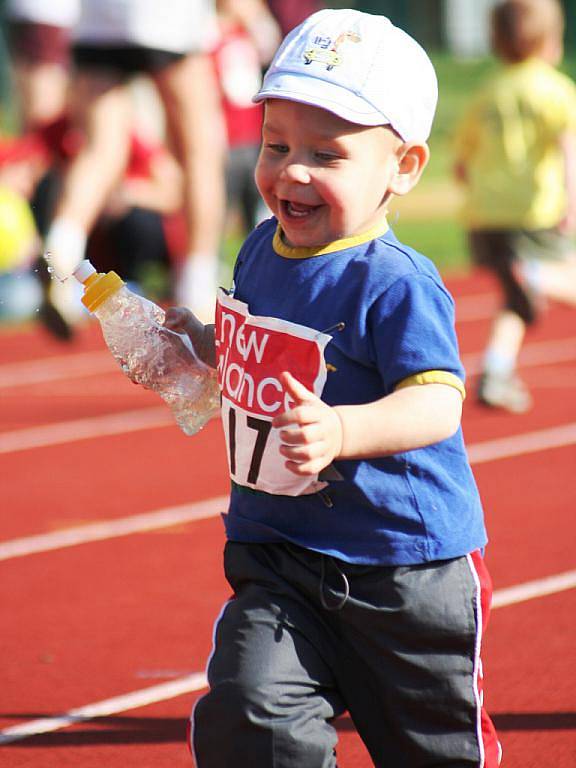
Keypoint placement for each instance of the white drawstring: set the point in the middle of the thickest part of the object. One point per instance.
(342, 601)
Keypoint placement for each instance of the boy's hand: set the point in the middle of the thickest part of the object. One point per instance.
(311, 431)
(181, 320)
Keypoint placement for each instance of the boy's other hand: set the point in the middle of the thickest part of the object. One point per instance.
(311, 431)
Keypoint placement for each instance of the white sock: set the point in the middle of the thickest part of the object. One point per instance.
(64, 250)
(66, 297)
(531, 271)
(498, 363)
(197, 284)
(64, 247)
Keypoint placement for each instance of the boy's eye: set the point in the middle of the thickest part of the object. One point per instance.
(280, 149)
(326, 157)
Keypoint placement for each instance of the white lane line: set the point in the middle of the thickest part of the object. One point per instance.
(197, 681)
(113, 706)
(539, 353)
(85, 364)
(46, 435)
(154, 418)
(518, 445)
(479, 453)
(532, 589)
(47, 369)
(84, 429)
(532, 355)
(109, 529)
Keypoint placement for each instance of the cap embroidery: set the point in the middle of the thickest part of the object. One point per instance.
(327, 52)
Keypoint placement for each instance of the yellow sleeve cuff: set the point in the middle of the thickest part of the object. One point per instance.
(433, 377)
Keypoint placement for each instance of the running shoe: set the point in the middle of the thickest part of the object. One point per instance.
(507, 392)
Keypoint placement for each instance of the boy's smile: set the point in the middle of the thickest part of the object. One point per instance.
(323, 177)
(291, 208)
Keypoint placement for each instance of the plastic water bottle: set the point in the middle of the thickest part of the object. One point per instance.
(150, 354)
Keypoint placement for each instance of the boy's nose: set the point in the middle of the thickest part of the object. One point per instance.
(296, 172)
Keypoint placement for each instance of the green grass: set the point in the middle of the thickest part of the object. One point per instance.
(230, 248)
(442, 240)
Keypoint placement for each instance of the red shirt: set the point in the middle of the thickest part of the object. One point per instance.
(239, 76)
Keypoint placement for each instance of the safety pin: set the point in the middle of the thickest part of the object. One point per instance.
(337, 327)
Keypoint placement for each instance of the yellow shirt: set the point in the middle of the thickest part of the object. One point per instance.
(509, 144)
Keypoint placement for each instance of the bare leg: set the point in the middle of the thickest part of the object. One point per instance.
(189, 93)
(100, 106)
(498, 385)
(506, 337)
(557, 280)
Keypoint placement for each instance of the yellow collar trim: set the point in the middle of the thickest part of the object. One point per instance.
(291, 252)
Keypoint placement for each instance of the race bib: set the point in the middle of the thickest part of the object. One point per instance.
(252, 352)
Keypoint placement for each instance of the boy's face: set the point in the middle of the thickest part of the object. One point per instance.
(323, 177)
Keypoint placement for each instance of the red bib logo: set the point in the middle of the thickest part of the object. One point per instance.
(252, 352)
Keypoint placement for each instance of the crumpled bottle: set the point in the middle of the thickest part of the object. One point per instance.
(150, 354)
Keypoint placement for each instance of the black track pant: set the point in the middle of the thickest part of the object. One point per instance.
(293, 650)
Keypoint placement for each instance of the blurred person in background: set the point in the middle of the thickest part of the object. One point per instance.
(130, 235)
(113, 41)
(39, 43)
(248, 38)
(516, 155)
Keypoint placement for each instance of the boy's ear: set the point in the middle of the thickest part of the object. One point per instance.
(411, 162)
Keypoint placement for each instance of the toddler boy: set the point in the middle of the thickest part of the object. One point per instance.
(354, 528)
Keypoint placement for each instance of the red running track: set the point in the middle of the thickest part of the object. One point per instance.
(131, 612)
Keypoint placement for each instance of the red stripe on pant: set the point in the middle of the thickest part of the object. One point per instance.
(492, 748)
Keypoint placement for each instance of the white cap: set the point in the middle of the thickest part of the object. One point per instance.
(358, 66)
(83, 271)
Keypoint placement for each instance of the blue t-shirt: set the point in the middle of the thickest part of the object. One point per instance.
(391, 318)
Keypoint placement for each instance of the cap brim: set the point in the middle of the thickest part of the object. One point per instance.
(321, 93)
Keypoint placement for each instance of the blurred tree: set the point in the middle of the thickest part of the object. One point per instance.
(423, 19)
(570, 11)
(6, 118)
